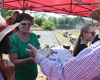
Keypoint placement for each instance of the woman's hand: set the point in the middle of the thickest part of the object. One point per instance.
(7, 69)
(33, 52)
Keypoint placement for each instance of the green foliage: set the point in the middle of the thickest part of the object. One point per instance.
(64, 21)
(53, 19)
(48, 25)
(7, 13)
(77, 21)
(39, 20)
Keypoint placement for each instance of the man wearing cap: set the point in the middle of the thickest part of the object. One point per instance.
(95, 14)
(6, 67)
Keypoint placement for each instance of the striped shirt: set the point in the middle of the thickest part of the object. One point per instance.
(85, 66)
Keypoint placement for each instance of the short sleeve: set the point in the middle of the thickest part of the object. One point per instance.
(13, 46)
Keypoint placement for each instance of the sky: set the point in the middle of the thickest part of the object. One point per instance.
(51, 14)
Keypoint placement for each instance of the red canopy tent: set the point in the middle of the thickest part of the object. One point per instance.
(70, 7)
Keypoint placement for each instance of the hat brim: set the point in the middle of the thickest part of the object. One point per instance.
(95, 14)
(7, 30)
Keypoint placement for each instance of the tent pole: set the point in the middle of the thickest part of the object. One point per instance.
(2, 8)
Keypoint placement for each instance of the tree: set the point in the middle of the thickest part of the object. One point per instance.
(39, 20)
(53, 19)
(48, 25)
(7, 13)
(77, 21)
(60, 21)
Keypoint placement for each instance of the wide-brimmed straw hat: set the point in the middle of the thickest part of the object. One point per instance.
(95, 14)
(5, 29)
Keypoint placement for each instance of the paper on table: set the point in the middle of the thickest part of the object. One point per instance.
(63, 54)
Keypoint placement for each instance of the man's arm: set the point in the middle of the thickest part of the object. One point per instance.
(85, 66)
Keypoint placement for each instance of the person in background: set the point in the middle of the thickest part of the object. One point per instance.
(6, 67)
(25, 67)
(87, 33)
(38, 36)
(95, 14)
(11, 19)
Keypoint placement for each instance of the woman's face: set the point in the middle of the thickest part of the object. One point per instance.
(90, 34)
(25, 26)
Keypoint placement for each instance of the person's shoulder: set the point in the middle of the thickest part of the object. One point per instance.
(82, 45)
(96, 36)
(14, 38)
(97, 43)
(13, 35)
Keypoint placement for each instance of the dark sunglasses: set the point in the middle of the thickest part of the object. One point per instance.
(24, 24)
(92, 33)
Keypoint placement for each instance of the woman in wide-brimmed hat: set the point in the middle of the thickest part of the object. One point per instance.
(6, 67)
(95, 14)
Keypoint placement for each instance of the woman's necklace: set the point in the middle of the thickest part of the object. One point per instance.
(23, 37)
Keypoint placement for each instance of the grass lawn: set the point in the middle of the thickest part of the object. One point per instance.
(74, 32)
(65, 40)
